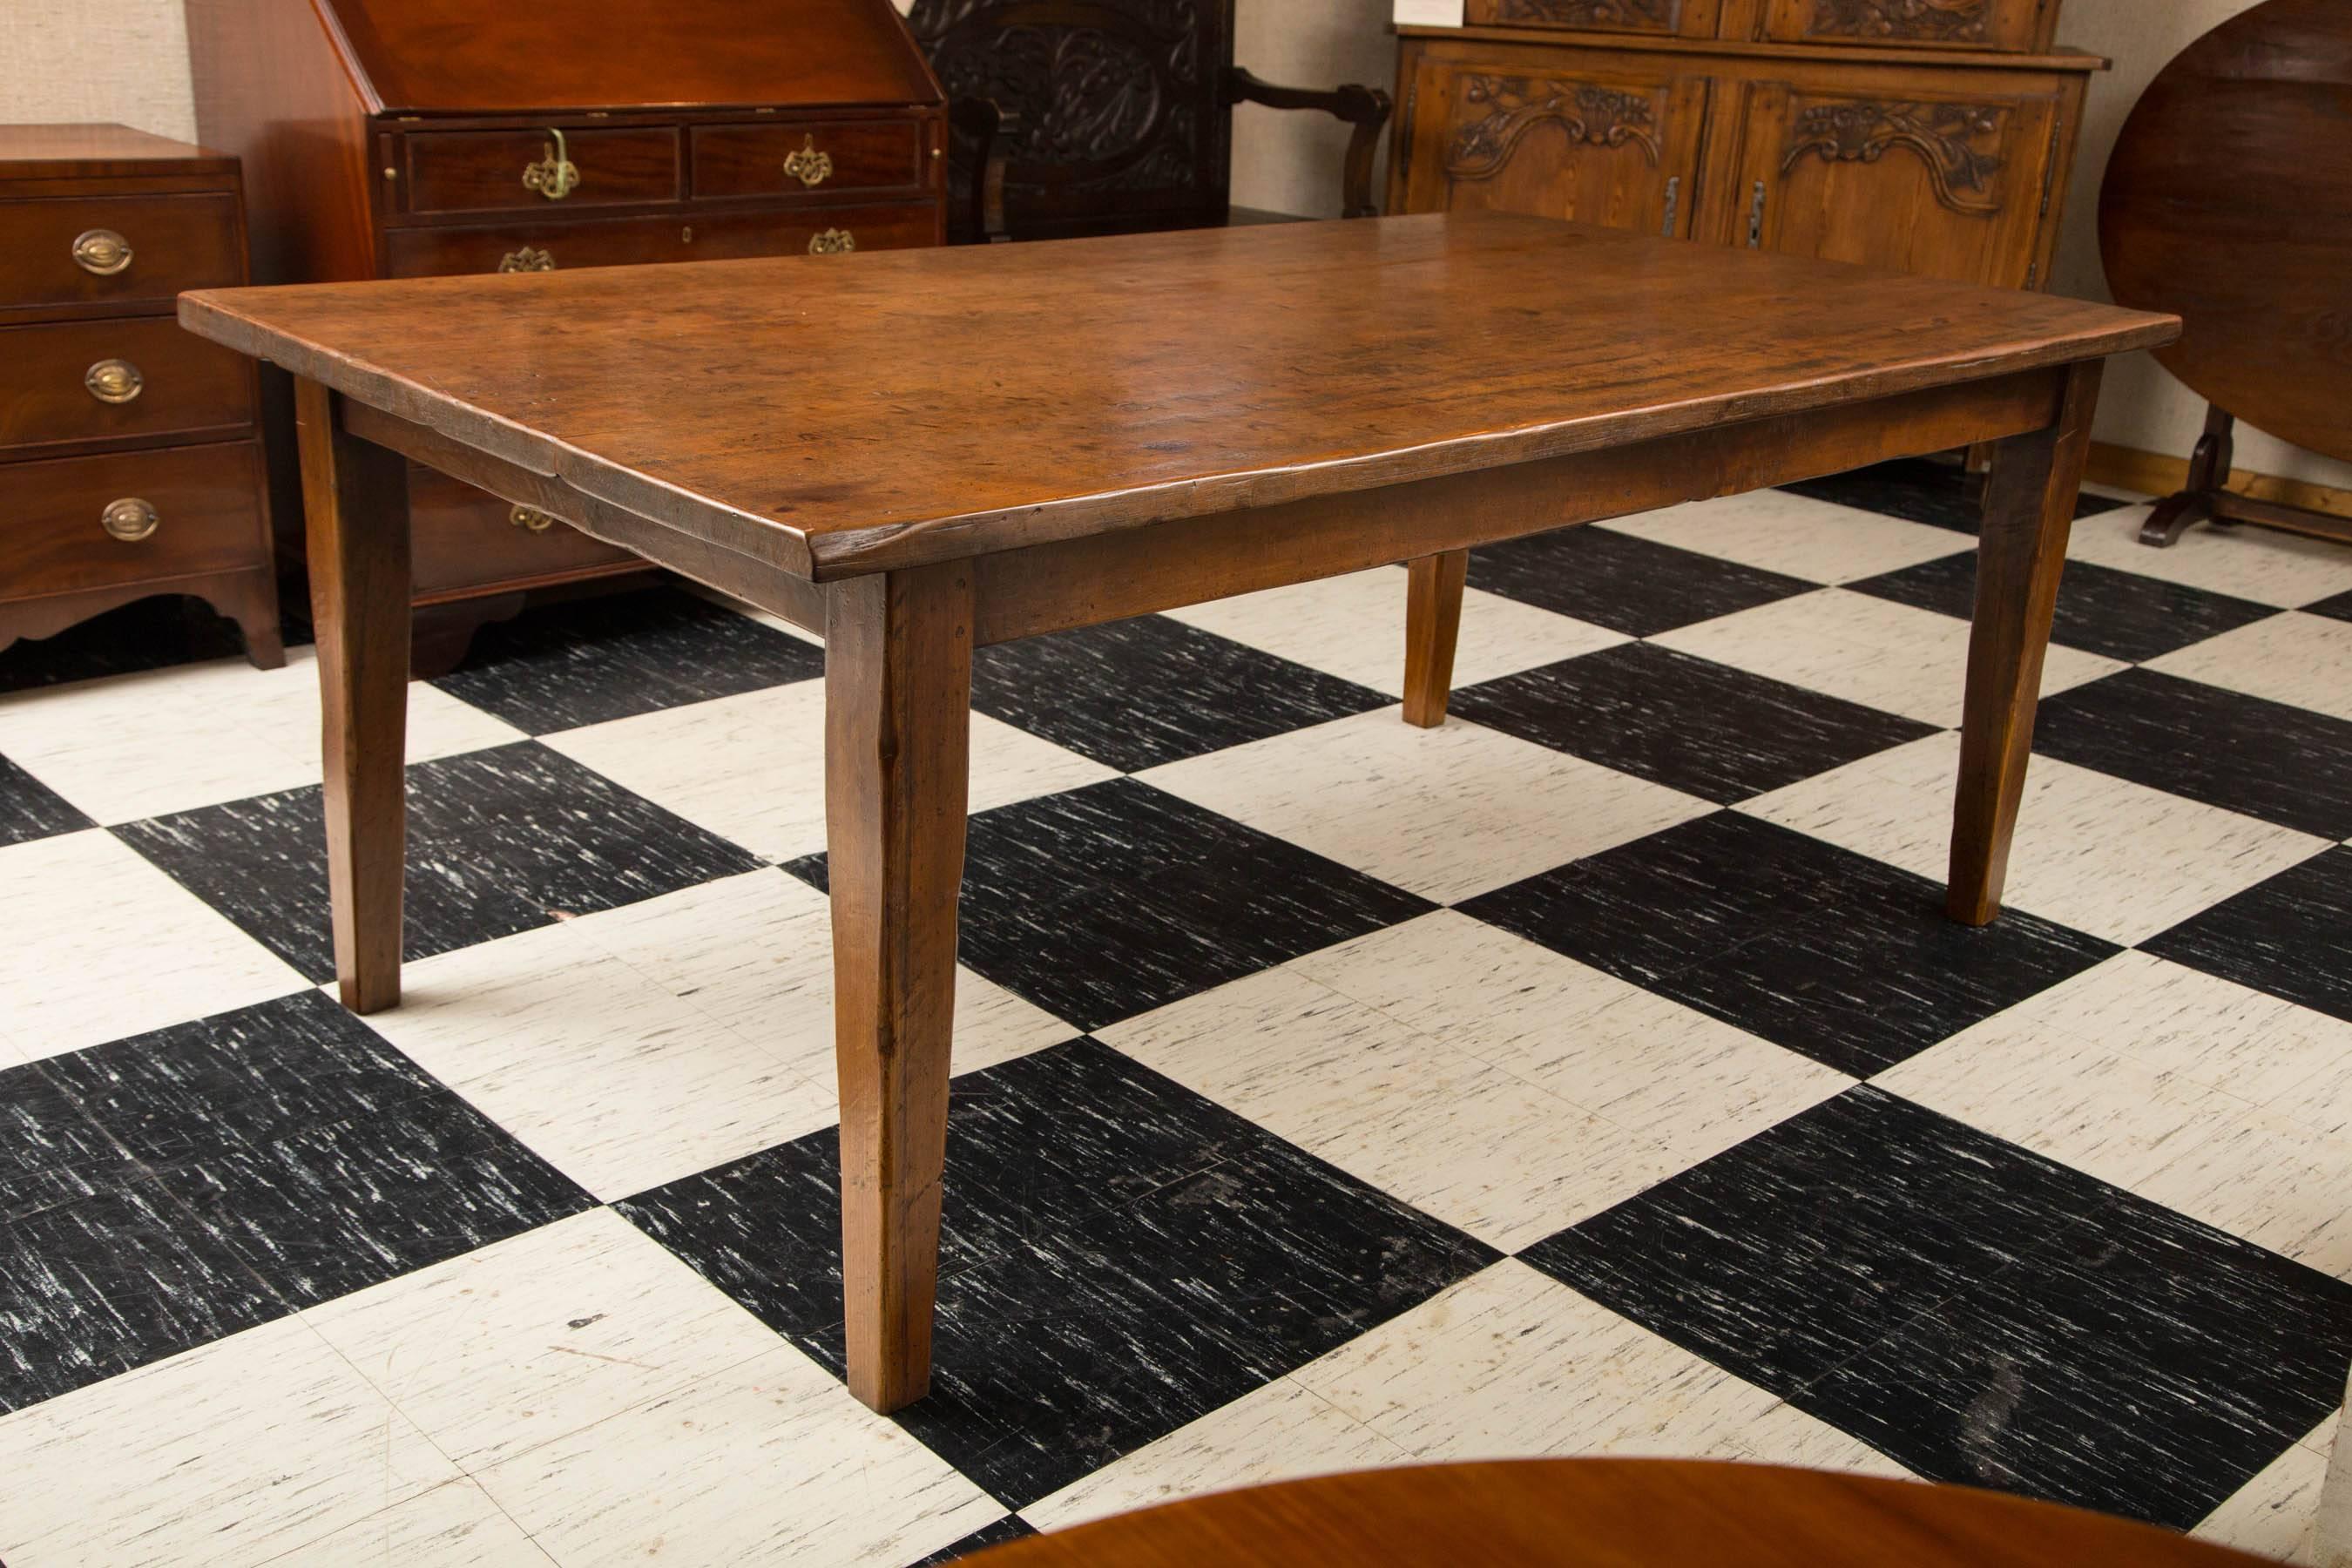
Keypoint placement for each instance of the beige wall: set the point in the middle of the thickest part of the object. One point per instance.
(75, 60)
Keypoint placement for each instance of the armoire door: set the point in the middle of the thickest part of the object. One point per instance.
(2010, 25)
(1657, 18)
(1593, 137)
(1947, 181)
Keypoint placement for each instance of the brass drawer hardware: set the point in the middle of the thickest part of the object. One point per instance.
(129, 519)
(101, 252)
(833, 242)
(530, 519)
(554, 176)
(114, 381)
(808, 165)
(528, 260)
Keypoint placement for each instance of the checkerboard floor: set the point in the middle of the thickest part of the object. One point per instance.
(1594, 1074)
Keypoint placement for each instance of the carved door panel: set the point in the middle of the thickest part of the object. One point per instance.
(1948, 183)
(1896, 24)
(1662, 18)
(1613, 142)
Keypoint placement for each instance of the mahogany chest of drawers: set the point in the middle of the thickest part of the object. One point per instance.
(410, 138)
(129, 462)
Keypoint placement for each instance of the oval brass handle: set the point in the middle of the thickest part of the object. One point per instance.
(808, 165)
(100, 252)
(833, 242)
(114, 381)
(528, 260)
(554, 176)
(129, 519)
(531, 519)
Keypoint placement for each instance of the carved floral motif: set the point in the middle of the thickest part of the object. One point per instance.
(1657, 14)
(1942, 134)
(1596, 116)
(1941, 21)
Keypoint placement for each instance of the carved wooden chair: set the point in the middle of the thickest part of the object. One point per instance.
(1118, 115)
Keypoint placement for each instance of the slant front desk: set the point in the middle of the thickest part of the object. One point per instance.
(1168, 420)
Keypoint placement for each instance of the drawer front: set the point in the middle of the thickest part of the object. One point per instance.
(120, 252)
(807, 160)
(619, 242)
(198, 508)
(1662, 18)
(485, 171)
(139, 378)
(468, 542)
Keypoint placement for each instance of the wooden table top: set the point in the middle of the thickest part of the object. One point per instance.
(1611, 1513)
(837, 419)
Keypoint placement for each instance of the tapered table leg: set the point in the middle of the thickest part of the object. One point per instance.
(355, 506)
(897, 721)
(1433, 623)
(2029, 510)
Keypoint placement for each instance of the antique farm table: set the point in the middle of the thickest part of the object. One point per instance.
(921, 453)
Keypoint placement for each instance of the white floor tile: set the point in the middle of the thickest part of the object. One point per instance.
(1510, 1364)
(2303, 659)
(170, 740)
(2092, 851)
(1776, 530)
(231, 1454)
(96, 943)
(1445, 812)
(752, 768)
(1873, 651)
(2271, 1515)
(1280, 1432)
(755, 953)
(1353, 627)
(452, 1526)
(539, 1337)
(768, 1462)
(609, 1077)
(2257, 563)
(1785, 1435)
(1448, 1133)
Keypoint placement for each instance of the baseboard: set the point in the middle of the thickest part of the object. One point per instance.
(2159, 474)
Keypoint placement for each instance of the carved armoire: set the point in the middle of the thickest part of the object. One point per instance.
(1929, 136)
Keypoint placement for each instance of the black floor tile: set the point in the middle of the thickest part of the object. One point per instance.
(1107, 901)
(1120, 1257)
(2272, 760)
(2121, 614)
(1135, 693)
(149, 634)
(2291, 936)
(30, 810)
(1012, 1526)
(1977, 1313)
(1921, 491)
(2339, 607)
(1704, 728)
(585, 661)
(1628, 585)
(498, 841)
(1831, 953)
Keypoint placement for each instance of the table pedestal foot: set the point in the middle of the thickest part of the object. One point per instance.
(1433, 623)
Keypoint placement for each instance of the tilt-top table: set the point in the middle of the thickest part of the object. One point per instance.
(923, 453)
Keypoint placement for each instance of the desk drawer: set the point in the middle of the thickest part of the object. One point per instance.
(484, 170)
(139, 377)
(812, 160)
(130, 517)
(123, 252)
(617, 242)
(466, 541)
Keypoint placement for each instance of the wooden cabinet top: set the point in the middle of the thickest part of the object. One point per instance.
(463, 56)
(67, 152)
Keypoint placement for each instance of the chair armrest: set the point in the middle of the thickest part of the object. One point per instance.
(993, 130)
(1365, 108)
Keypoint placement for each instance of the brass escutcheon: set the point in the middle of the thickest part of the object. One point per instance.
(531, 519)
(554, 176)
(527, 260)
(808, 165)
(101, 252)
(833, 242)
(114, 381)
(129, 519)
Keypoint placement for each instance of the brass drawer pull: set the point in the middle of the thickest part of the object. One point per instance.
(808, 165)
(114, 381)
(833, 242)
(101, 252)
(530, 519)
(554, 176)
(527, 260)
(129, 519)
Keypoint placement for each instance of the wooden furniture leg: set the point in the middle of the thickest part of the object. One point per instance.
(898, 694)
(355, 506)
(2028, 511)
(2209, 472)
(1433, 623)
